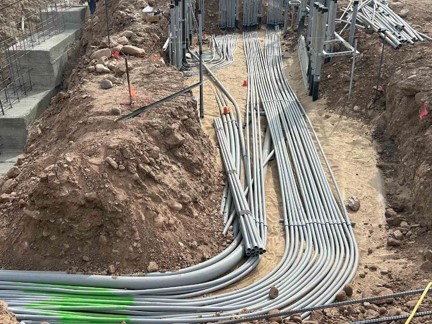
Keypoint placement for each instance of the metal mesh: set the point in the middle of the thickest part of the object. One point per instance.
(23, 32)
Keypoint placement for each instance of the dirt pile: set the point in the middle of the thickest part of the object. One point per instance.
(407, 153)
(392, 109)
(96, 195)
(5, 316)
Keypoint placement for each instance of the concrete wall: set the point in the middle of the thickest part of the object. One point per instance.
(46, 63)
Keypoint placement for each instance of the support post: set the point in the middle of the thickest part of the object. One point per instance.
(353, 23)
(201, 72)
(353, 69)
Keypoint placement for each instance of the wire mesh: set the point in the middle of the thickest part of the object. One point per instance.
(27, 28)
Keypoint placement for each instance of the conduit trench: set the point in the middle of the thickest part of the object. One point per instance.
(320, 254)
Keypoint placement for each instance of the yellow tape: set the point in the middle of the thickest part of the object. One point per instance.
(414, 311)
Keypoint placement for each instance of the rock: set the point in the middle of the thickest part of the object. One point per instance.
(111, 65)
(111, 269)
(5, 198)
(370, 313)
(90, 196)
(175, 205)
(341, 296)
(348, 290)
(411, 303)
(120, 68)
(419, 97)
(310, 322)
(103, 60)
(111, 162)
(428, 255)
(86, 258)
(404, 13)
(273, 293)
(393, 311)
(106, 84)
(91, 68)
(379, 291)
(133, 50)
(398, 235)
(296, 319)
(393, 242)
(175, 140)
(129, 33)
(100, 68)
(356, 108)
(275, 318)
(152, 267)
(108, 42)
(354, 204)
(13, 172)
(394, 221)
(123, 40)
(390, 212)
(100, 53)
(426, 266)
(116, 111)
(9, 186)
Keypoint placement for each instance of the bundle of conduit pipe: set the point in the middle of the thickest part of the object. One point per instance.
(219, 55)
(252, 12)
(228, 13)
(383, 20)
(320, 255)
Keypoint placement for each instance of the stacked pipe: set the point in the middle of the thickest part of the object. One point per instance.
(248, 222)
(252, 12)
(320, 254)
(318, 27)
(219, 55)
(228, 13)
(180, 31)
(382, 19)
(275, 12)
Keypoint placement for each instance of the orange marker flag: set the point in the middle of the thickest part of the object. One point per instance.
(424, 110)
(245, 83)
(132, 92)
(116, 55)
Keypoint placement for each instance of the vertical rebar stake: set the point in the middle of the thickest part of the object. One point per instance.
(352, 68)
(201, 61)
(128, 80)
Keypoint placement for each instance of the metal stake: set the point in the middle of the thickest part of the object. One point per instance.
(200, 25)
(352, 68)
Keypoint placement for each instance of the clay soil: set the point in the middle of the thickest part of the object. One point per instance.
(97, 196)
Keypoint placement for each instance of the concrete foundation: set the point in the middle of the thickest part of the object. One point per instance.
(45, 63)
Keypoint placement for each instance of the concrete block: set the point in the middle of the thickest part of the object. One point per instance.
(75, 17)
(16, 121)
(48, 51)
(72, 18)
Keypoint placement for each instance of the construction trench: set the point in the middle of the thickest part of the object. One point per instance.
(279, 242)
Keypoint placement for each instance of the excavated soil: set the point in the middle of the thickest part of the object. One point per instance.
(94, 195)
(5, 316)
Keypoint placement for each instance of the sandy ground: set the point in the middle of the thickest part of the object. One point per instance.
(351, 153)
(232, 78)
(352, 156)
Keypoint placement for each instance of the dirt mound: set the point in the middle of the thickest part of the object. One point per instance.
(5, 316)
(399, 127)
(393, 111)
(96, 195)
